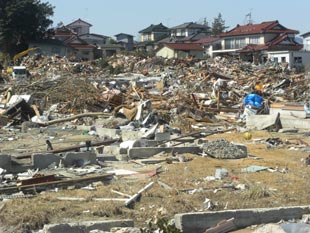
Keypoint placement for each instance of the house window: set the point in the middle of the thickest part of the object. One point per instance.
(298, 60)
(240, 43)
(78, 30)
(85, 52)
(283, 59)
(235, 43)
(147, 37)
(276, 60)
(254, 39)
(229, 44)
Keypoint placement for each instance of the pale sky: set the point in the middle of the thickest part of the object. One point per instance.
(110, 17)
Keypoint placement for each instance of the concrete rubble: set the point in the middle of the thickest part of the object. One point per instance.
(144, 111)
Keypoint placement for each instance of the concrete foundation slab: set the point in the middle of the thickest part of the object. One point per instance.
(199, 222)
(293, 122)
(42, 161)
(79, 158)
(106, 132)
(146, 152)
(5, 162)
(128, 135)
(261, 122)
(86, 227)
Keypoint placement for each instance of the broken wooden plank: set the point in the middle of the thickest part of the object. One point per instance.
(120, 193)
(133, 198)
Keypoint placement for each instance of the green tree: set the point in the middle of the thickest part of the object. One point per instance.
(218, 25)
(22, 21)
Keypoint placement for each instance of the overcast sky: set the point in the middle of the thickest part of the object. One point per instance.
(110, 17)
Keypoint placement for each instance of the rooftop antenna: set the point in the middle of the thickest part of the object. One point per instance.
(248, 18)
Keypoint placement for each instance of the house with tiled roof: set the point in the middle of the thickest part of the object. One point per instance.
(126, 40)
(95, 39)
(181, 51)
(209, 44)
(77, 36)
(50, 47)
(79, 26)
(62, 33)
(253, 41)
(189, 29)
(81, 49)
(154, 32)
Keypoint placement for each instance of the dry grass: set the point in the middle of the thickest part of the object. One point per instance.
(264, 189)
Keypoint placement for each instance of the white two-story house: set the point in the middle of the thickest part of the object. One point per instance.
(253, 42)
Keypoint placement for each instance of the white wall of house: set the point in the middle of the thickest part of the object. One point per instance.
(80, 28)
(92, 39)
(165, 52)
(170, 53)
(306, 43)
(293, 58)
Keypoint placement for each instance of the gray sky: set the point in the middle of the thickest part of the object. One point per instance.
(110, 17)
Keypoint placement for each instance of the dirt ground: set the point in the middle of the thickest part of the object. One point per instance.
(285, 185)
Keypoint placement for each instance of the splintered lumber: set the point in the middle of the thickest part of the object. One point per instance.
(52, 184)
(133, 198)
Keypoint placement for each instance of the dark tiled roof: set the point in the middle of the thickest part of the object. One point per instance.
(190, 25)
(155, 28)
(207, 40)
(183, 46)
(264, 27)
(123, 34)
(305, 34)
(96, 35)
(64, 31)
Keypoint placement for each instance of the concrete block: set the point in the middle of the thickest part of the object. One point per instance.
(293, 122)
(111, 150)
(86, 227)
(131, 135)
(42, 161)
(103, 158)
(199, 222)
(5, 162)
(110, 133)
(162, 136)
(297, 113)
(146, 152)
(79, 158)
(261, 122)
(83, 127)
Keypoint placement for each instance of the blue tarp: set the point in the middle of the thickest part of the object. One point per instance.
(253, 100)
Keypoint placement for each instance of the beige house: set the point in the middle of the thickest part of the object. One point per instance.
(154, 33)
(181, 51)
